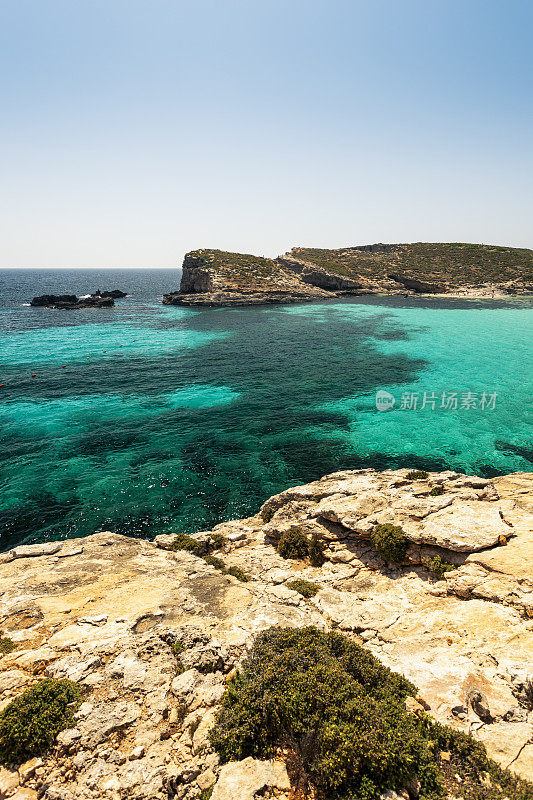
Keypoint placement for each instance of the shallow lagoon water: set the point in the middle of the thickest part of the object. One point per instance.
(201, 415)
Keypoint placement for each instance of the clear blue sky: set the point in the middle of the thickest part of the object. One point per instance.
(132, 131)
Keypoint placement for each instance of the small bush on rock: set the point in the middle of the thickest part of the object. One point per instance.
(340, 718)
(30, 723)
(218, 563)
(238, 573)
(184, 542)
(316, 551)
(6, 645)
(438, 567)
(436, 491)
(390, 542)
(267, 514)
(293, 544)
(215, 562)
(303, 587)
(202, 549)
(178, 648)
(218, 540)
(417, 475)
(333, 705)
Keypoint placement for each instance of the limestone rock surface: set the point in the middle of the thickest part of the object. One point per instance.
(245, 779)
(152, 634)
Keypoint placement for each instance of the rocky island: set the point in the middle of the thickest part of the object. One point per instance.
(70, 301)
(219, 278)
(410, 592)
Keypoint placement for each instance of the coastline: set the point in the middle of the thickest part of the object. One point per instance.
(107, 609)
(222, 278)
(226, 299)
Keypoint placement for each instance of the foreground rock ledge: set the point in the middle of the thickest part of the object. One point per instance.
(105, 610)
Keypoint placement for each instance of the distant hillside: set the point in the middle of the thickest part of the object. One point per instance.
(217, 277)
(453, 264)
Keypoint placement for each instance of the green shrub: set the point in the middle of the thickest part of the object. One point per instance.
(316, 551)
(31, 722)
(293, 544)
(184, 542)
(417, 475)
(340, 717)
(238, 573)
(206, 794)
(333, 705)
(390, 542)
(437, 566)
(436, 491)
(218, 540)
(218, 563)
(215, 562)
(267, 514)
(303, 587)
(6, 645)
(469, 758)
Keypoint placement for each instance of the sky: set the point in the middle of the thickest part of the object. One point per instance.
(132, 131)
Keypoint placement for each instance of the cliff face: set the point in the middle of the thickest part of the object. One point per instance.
(215, 277)
(152, 634)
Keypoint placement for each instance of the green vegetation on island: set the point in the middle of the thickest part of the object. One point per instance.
(305, 588)
(204, 549)
(456, 263)
(295, 544)
(235, 264)
(30, 723)
(390, 542)
(340, 719)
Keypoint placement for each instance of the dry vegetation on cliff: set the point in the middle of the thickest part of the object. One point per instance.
(454, 263)
(233, 264)
(218, 278)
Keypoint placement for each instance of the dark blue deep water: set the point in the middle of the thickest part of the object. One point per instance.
(167, 419)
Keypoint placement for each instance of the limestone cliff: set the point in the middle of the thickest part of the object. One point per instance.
(215, 277)
(107, 610)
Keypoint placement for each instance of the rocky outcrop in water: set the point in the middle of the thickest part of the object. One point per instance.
(152, 634)
(48, 300)
(116, 294)
(71, 301)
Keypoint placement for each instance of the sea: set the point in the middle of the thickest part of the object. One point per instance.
(145, 419)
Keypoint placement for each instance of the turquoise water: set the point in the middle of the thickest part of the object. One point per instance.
(143, 418)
